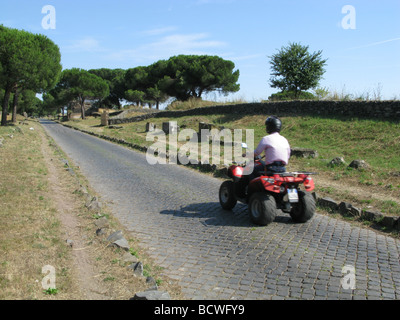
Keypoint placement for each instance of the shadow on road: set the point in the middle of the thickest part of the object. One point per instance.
(211, 214)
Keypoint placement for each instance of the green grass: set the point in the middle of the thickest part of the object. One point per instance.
(376, 142)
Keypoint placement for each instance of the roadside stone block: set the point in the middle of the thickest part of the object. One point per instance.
(389, 221)
(344, 208)
(371, 215)
(117, 235)
(170, 127)
(328, 203)
(338, 161)
(152, 295)
(150, 127)
(347, 208)
(304, 153)
(359, 164)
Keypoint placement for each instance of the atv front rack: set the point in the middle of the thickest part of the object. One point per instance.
(291, 174)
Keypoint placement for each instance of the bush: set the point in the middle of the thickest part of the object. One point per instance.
(288, 95)
(191, 103)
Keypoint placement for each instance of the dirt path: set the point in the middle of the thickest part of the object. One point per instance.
(359, 192)
(68, 205)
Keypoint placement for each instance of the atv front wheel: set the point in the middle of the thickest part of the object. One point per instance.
(304, 210)
(227, 197)
(262, 208)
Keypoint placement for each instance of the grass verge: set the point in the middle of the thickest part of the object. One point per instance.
(41, 208)
(29, 226)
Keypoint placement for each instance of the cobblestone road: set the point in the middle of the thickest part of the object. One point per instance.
(216, 254)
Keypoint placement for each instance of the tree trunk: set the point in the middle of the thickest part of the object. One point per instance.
(5, 107)
(83, 111)
(15, 106)
(82, 102)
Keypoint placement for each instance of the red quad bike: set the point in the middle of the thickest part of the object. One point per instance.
(289, 192)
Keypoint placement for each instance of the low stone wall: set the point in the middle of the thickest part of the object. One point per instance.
(389, 110)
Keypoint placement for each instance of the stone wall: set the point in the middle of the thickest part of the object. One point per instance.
(389, 110)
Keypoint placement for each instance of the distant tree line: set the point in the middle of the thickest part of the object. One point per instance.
(181, 77)
(30, 65)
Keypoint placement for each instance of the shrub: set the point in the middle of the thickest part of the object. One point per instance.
(288, 95)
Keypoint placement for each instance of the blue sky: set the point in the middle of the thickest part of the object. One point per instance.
(126, 34)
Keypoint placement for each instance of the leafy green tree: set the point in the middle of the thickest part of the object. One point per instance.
(81, 85)
(157, 83)
(27, 62)
(295, 69)
(58, 98)
(112, 76)
(157, 95)
(193, 76)
(136, 84)
(182, 77)
(135, 96)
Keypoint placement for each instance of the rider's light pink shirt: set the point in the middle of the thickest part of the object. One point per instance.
(276, 148)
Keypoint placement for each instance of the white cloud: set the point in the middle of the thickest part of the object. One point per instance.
(168, 46)
(87, 44)
(374, 44)
(158, 31)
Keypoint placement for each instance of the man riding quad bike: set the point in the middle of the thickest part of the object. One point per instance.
(269, 187)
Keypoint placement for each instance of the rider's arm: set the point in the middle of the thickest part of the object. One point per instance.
(261, 147)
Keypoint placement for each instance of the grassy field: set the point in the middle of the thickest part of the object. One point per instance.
(377, 142)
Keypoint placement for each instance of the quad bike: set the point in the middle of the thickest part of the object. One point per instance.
(268, 193)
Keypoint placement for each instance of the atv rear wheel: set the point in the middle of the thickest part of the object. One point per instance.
(227, 197)
(304, 210)
(262, 208)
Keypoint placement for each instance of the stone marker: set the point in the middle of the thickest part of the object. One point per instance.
(104, 118)
(150, 127)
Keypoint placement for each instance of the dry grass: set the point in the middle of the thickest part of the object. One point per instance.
(29, 226)
(194, 103)
(39, 210)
